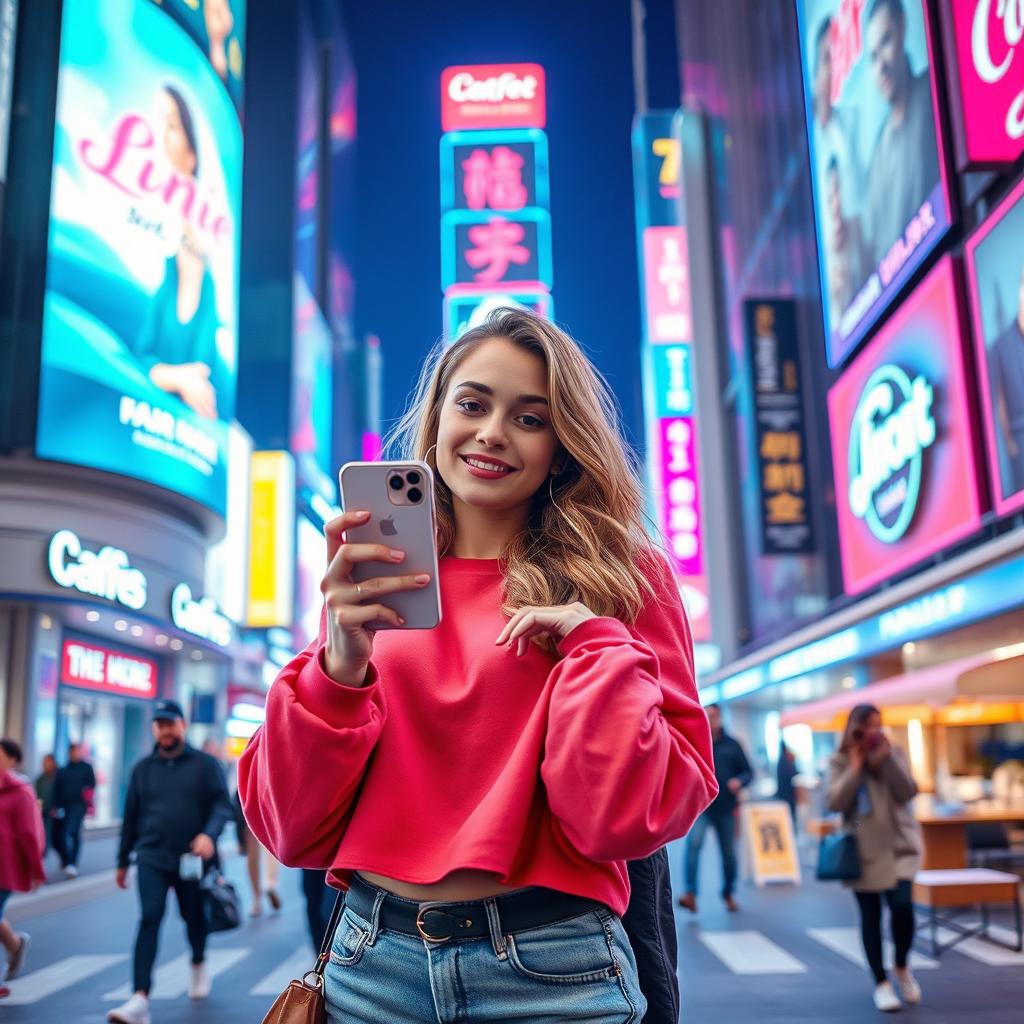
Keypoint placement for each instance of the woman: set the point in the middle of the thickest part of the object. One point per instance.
(479, 787)
(21, 849)
(177, 346)
(871, 786)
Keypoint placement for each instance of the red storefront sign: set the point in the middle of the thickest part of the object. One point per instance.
(492, 96)
(99, 668)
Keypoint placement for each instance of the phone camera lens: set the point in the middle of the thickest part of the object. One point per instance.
(413, 478)
(415, 495)
(396, 483)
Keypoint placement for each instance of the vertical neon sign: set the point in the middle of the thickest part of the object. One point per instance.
(671, 428)
(495, 211)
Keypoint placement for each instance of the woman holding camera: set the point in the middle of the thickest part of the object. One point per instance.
(871, 786)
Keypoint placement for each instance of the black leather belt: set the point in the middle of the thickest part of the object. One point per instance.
(439, 921)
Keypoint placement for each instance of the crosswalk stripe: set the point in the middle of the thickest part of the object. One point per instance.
(46, 981)
(294, 966)
(986, 952)
(847, 943)
(170, 980)
(750, 952)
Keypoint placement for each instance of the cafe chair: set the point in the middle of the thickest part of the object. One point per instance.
(988, 845)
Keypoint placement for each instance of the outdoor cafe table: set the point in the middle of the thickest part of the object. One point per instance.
(944, 835)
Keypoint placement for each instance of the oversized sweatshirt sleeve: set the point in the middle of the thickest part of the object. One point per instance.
(843, 783)
(627, 761)
(896, 773)
(299, 775)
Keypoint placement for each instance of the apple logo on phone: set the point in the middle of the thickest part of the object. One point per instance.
(387, 527)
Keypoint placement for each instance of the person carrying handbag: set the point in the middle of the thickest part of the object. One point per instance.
(871, 786)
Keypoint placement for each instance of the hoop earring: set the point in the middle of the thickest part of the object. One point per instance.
(426, 454)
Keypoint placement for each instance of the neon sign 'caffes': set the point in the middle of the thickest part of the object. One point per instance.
(106, 573)
(200, 618)
(892, 427)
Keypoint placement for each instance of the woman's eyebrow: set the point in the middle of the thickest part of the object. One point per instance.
(485, 390)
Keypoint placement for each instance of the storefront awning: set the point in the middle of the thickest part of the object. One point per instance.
(934, 693)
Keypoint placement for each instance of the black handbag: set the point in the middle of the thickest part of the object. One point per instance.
(221, 906)
(838, 858)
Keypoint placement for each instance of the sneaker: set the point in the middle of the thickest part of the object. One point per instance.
(908, 986)
(199, 983)
(134, 1011)
(886, 999)
(71, 871)
(731, 905)
(689, 902)
(273, 899)
(17, 959)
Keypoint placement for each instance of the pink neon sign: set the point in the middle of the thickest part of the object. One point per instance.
(492, 96)
(667, 285)
(680, 514)
(986, 43)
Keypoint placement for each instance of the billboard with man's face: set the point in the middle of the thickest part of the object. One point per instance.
(881, 202)
(141, 307)
(995, 256)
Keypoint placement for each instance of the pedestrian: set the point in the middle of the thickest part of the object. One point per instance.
(785, 773)
(176, 806)
(45, 783)
(871, 786)
(21, 849)
(256, 856)
(487, 780)
(72, 796)
(732, 770)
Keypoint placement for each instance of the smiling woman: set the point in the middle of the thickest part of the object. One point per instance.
(488, 780)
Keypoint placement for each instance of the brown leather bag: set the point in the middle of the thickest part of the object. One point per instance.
(302, 1002)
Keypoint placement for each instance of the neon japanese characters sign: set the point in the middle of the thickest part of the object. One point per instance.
(985, 56)
(881, 199)
(482, 96)
(903, 439)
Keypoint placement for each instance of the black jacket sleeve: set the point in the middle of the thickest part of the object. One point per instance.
(219, 803)
(130, 821)
(90, 778)
(743, 769)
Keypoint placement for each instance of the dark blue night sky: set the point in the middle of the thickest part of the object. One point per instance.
(584, 46)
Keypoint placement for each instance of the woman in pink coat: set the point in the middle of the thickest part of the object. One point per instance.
(22, 842)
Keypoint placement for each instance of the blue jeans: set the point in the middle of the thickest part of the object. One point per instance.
(725, 828)
(579, 969)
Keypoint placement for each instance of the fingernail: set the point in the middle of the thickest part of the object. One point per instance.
(401, 621)
(362, 514)
(396, 555)
(422, 579)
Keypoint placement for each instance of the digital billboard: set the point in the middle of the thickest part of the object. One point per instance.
(995, 259)
(985, 60)
(141, 307)
(903, 439)
(881, 199)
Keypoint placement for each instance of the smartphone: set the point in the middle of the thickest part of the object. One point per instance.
(400, 499)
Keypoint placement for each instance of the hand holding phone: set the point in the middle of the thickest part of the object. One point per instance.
(370, 583)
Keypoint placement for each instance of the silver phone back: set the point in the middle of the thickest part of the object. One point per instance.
(409, 528)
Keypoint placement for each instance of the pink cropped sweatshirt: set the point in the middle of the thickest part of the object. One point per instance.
(460, 754)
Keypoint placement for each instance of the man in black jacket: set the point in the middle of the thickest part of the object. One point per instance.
(732, 770)
(176, 807)
(72, 792)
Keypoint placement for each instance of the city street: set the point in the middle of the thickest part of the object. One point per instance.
(792, 954)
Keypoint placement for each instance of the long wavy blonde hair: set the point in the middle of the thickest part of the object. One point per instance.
(585, 538)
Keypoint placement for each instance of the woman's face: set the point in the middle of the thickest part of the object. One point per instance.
(869, 729)
(495, 442)
(176, 144)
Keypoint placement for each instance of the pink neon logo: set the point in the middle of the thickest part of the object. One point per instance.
(493, 96)
(990, 61)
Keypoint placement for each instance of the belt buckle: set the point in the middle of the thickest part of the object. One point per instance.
(426, 908)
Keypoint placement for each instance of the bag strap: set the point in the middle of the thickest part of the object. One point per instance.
(332, 925)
